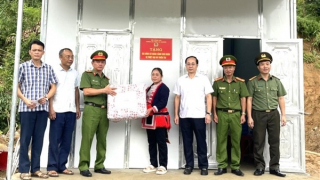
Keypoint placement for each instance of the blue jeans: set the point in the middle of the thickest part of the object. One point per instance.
(60, 138)
(33, 125)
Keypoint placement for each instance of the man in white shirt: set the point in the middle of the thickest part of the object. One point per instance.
(64, 109)
(193, 93)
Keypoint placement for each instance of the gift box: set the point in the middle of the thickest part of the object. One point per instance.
(128, 104)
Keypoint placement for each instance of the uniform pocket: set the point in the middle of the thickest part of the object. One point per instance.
(95, 84)
(274, 90)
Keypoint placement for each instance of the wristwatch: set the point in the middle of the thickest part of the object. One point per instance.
(46, 97)
(209, 113)
(243, 113)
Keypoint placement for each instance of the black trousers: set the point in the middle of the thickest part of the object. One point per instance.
(198, 126)
(157, 141)
(269, 121)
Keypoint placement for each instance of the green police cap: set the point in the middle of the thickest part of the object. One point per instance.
(99, 55)
(263, 56)
(228, 60)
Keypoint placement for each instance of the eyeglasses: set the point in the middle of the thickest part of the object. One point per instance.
(192, 64)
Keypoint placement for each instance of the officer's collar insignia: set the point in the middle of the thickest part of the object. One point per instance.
(228, 59)
(222, 87)
(263, 55)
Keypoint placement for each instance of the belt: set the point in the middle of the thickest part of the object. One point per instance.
(268, 110)
(228, 110)
(95, 105)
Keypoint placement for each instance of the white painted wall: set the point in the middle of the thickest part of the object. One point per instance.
(276, 19)
(111, 14)
(155, 19)
(223, 18)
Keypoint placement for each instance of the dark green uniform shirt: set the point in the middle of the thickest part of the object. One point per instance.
(90, 79)
(265, 94)
(229, 94)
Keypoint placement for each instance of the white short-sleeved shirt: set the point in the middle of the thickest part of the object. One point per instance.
(64, 98)
(193, 95)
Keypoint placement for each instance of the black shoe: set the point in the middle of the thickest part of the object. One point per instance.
(187, 171)
(220, 171)
(204, 171)
(86, 173)
(102, 171)
(237, 172)
(277, 172)
(258, 172)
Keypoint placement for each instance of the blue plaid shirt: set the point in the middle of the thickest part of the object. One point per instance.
(35, 83)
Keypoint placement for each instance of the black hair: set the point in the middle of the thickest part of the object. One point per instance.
(197, 61)
(64, 49)
(158, 69)
(36, 41)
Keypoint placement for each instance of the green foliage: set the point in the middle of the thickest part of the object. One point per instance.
(312, 57)
(309, 7)
(316, 41)
(8, 25)
(308, 57)
(308, 27)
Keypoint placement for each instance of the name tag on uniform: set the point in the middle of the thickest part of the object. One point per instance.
(94, 80)
(222, 87)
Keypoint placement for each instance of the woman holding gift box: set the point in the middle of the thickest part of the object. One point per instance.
(157, 123)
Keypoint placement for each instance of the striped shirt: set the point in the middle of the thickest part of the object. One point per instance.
(35, 84)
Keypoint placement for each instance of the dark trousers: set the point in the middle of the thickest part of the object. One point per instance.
(198, 126)
(157, 141)
(269, 121)
(33, 126)
(60, 137)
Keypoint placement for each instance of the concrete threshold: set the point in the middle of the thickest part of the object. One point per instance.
(172, 174)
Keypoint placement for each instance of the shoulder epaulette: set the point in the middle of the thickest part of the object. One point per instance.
(275, 77)
(88, 71)
(239, 79)
(218, 79)
(252, 78)
(107, 78)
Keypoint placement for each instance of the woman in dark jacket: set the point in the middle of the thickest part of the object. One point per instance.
(157, 123)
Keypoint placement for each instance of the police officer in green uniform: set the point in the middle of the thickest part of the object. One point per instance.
(229, 107)
(95, 87)
(266, 92)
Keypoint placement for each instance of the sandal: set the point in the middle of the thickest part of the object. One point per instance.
(25, 176)
(149, 168)
(39, 174)
(53, 173)
(161, 170)
(67, 172)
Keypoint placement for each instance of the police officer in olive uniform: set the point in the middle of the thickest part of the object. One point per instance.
(229, 107)
(94, 85)
(266, 92)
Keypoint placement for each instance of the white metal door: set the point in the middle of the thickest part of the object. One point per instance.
(208, 51)
(288, 66)
(117, 69)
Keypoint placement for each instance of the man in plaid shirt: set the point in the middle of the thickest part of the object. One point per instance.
(36, 84)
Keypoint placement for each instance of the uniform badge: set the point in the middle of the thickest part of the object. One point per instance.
(263, 55)
(100, 54)
(222, 87)
(228, 59)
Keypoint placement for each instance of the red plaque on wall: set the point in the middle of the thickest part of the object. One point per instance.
(156, 49)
